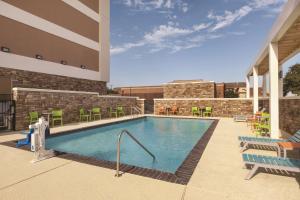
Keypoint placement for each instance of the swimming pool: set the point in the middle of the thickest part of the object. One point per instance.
(169, 139)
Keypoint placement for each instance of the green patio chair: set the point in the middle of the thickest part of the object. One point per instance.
(207, 112)
(83, 115)
(96, 112)
(263, 126)
(195, 111)
(57, 115)
(120, 111)
(111, 112)
(33, 117)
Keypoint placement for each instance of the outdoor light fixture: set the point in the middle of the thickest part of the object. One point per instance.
(5, 49)
(82, 66)
(40, 57)
(63, 62)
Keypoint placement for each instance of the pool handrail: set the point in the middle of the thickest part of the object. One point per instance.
(119, 145)
(137, 109)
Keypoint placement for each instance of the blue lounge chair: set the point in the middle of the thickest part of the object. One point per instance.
(245, 142)
(27, 140)
(270, 162)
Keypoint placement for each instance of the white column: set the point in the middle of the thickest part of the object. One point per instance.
(247, 87)
(255, 89)
(280, 86)
(274, 96)
(264, 85)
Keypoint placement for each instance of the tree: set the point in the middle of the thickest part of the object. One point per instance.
(111, 91)
(231, 93)
(291, 81)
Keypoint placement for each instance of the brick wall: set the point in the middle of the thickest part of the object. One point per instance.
(189, 90)
(27, 79)
(70, 102)
(221, 107)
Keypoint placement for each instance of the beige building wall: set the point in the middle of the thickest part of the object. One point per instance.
(104, 38)
(5, 85)
(72, 37)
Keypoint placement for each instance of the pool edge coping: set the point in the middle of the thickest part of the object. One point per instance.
(181, 176)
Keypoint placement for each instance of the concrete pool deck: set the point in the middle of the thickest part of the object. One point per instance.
(218, 175)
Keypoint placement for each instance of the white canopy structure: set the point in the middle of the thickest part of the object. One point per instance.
(283, 42)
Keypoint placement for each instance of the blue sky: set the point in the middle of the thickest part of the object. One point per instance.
(157, 41)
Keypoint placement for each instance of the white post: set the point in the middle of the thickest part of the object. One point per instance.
(280, 86)
(264, 85)
(274, 96)
(247, 87)
(255, 89)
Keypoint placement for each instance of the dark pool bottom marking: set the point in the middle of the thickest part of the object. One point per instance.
(181, 176)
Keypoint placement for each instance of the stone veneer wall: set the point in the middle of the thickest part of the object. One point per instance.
(263, 102)
(27, 79)
(289, 112)
(141, 104)
(189, 90)
(70, 102)
(221, 107)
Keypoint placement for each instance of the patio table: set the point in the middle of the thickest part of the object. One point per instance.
(202, 110)
(168, 109)
(90, 111)
(287, 146)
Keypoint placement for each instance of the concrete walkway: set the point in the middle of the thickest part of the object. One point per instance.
(219, 175)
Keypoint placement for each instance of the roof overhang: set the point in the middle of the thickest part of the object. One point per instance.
(289, 15)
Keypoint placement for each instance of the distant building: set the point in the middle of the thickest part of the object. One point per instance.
(144, 92)
(189, 89)
(182, 89)
(238, 87)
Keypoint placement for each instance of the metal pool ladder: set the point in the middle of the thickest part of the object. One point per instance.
(136, 109)
(118, 149)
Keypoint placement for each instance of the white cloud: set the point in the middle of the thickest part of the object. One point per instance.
(229, 17)
(159, 3)
(128, 3)
(185, 7)
(265, 3)
(168, 4)
(124, 48)
(193, 42)
(165, 31)
(171, 36)
(148, 5)
(201, 26)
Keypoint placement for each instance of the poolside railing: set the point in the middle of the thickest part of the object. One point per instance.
(119, 147)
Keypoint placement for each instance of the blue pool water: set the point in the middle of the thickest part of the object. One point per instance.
(169, 139)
